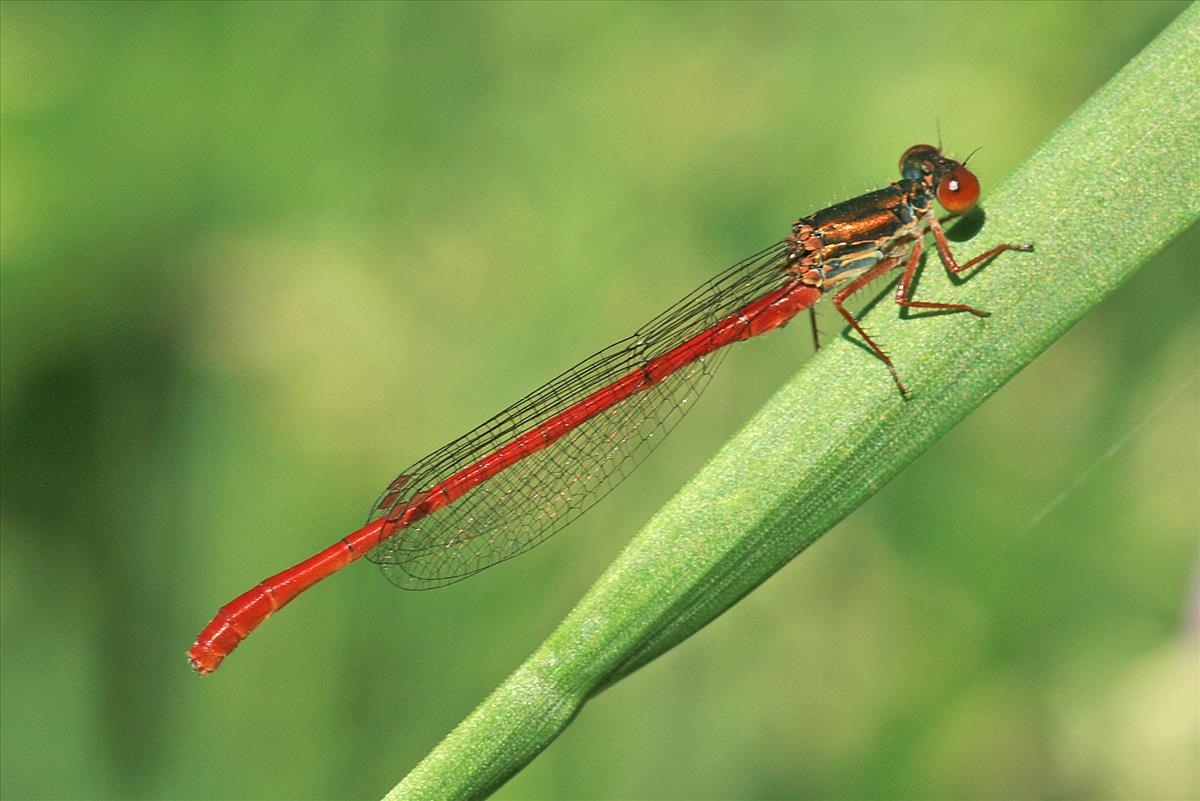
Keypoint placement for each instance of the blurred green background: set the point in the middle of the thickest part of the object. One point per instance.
(258, 258)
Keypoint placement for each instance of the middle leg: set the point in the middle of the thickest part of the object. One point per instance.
(904, 289)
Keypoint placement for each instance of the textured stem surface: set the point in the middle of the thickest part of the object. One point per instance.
(1110, 188)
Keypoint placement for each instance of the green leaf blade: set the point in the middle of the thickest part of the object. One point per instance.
(1110, 188)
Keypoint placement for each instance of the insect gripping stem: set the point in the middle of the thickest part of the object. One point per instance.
(518, 478)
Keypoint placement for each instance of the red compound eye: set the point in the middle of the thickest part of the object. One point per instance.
(958, 190)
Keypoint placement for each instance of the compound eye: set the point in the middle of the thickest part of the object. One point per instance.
(958, 190)
(916, 154)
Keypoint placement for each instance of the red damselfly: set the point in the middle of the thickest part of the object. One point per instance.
(521, 476)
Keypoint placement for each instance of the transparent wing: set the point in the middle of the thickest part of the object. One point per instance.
(537, 496)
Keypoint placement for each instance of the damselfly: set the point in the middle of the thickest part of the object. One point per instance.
(521, 476)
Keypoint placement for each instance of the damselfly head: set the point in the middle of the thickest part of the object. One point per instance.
(956, 187)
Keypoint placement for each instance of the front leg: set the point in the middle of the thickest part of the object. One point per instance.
(953, 266)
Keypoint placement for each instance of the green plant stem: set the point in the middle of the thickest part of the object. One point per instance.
(1111, 187)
